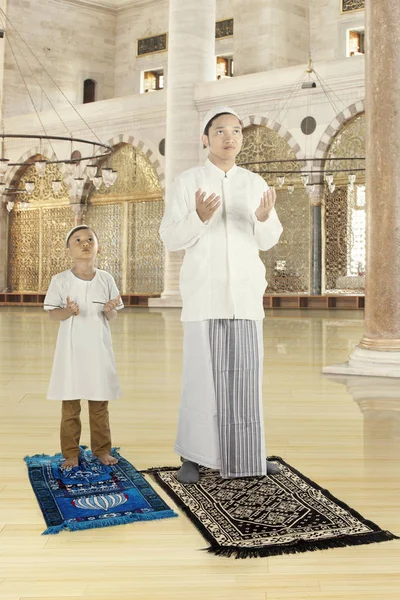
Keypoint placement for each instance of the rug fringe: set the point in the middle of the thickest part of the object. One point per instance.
(152, 470)
(123, 520)
(301, 546)
(54, 529)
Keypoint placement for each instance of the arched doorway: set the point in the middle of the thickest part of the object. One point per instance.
(36, 246)
(344, 221)
(288, 263)
(127, 218)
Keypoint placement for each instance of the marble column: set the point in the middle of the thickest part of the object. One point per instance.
(191, 60)
(316, 240)
(378, 353)
(3, 199)
(269, 35)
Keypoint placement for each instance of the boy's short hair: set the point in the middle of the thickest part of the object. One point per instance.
(78, 228)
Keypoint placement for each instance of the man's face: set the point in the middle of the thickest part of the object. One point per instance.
(83, 245)
(225, 138)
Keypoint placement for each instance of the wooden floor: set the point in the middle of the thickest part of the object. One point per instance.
(348, 442)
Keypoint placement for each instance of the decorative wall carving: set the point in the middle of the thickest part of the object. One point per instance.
(130, 215)
(43, 193)
(342, 229)
(336, 227)
(349, 142)
(106, 220)
(151, 45)
(126, 218)
(36, 246)
(352, 5)
(145, 263)
(261, 144)
(224, 29)
(136, 176)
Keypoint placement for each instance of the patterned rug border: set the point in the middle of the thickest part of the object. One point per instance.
(378, 535)
(45, 499)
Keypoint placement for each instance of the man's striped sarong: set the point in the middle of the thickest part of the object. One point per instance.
(221, 417)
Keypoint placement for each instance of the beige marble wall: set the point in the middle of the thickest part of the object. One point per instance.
(74, 42)
(133, 23)
(329, 27)
(269, 35)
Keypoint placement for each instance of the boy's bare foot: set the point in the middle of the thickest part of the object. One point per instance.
(107, 459)
(71, 462)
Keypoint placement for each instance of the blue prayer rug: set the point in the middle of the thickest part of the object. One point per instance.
(92, 494)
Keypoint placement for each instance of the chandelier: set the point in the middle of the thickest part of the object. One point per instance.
(79, 159)
(310, 172)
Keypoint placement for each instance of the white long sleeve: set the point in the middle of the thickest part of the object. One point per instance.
(268, 233)
(181, 226)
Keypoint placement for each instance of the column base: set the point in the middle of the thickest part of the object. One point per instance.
(370, 363)
(167, 300)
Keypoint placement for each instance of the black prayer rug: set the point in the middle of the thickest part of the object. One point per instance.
(267, 516)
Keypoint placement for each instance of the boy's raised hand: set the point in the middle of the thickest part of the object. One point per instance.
(72, 307)
(111, 304)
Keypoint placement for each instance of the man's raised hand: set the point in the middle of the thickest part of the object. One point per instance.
(266, 205)
(206, 207)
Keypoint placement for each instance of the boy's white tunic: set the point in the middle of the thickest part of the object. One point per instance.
(84, 365)
(222, 277)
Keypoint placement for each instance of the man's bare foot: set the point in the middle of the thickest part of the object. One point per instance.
(71, 462)
(107, 459)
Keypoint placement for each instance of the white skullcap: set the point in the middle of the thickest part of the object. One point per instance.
(71, 231)
(217, 110)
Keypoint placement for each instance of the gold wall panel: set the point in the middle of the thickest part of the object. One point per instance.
(106, 220)
(23, 250)
(126, 218)
(261, 144)
(136, 175)
(37, 247)
(145, 264)
(336, 232)
(55, 224)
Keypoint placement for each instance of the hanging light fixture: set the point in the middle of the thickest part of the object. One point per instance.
(290, 188)
(56, 186)
(308, 166)
(91, 171)
(97, 182)
(79, 185)
(40, 166)
(305, 179)
(3, 165)
(29, 186)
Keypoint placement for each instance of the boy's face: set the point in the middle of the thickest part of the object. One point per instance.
(225, 138)
(83, 245)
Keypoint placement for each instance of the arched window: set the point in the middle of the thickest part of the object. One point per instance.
(89, 91)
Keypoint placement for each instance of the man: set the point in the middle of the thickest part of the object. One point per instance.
(221, 215)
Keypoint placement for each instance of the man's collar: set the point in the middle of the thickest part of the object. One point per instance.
(210, 165)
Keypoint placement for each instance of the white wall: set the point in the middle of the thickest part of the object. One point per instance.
(73, 43)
